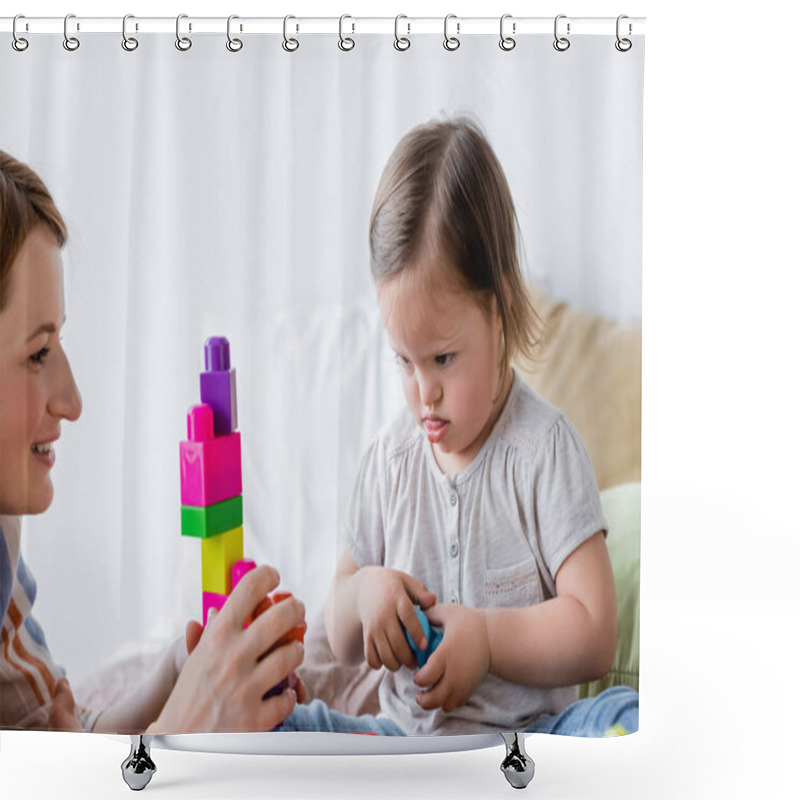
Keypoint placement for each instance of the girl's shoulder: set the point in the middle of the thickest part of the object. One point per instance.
(398, 436)
(393, 440)
(532, 421)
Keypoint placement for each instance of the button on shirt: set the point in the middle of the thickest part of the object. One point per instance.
(493, 535)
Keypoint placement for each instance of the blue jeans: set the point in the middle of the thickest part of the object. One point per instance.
(616, 710)
(591, 717)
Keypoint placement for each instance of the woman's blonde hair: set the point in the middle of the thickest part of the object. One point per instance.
(443, 193)
(25, 204)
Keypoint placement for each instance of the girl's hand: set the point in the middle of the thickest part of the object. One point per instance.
(63, 716)
(229, 669)
(461, 660)
(386, 599)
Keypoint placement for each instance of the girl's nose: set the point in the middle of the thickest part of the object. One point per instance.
(65, 400)
(430, 390)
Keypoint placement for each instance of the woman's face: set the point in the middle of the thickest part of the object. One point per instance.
(37, 389)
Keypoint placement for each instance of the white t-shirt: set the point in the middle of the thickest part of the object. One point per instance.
(492, 536)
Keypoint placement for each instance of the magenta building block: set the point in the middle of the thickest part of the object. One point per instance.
(211, 470)
(212, 600)
(200, 423)
(240, 569)
(218, 385)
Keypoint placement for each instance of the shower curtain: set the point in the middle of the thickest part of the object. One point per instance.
(213, 190)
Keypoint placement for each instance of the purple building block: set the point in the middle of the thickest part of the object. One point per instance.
(218, 385)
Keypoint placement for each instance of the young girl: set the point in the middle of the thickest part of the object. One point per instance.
(219, 687)
(479, 502)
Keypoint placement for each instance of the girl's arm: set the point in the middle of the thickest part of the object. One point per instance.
(368, 609)
(568, 639)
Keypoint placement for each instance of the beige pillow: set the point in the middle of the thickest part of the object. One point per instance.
(591, 368)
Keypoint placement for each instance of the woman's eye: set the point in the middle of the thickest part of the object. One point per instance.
(39, 356)
(444, 359)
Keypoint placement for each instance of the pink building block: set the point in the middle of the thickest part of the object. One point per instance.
(240, 569)
(200, 423)
(211, 470)
(212, 600)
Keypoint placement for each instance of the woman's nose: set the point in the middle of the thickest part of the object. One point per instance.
(65, 401)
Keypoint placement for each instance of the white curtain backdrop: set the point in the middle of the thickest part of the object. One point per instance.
(216, 193)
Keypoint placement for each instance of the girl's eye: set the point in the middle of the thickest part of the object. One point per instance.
(39, 357)
(444, 359)
(402, 361)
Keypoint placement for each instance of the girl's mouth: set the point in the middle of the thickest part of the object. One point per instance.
(435, 428)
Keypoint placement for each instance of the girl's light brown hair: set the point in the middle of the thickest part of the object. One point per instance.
(25, 204)
(443, 198)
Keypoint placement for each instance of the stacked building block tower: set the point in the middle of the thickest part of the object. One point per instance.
(211, 485)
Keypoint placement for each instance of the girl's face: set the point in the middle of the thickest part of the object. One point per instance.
(37, 389)
(450, 351)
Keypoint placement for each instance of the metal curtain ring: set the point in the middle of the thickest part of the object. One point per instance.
(345, 43)
(18, 43)
(128, 42)
(289, 45)
(451, 42)
(183, 43)
(234, 45)
(70, 42)
(507, 42)
(623, 45)
(401, 42)
(561, 43)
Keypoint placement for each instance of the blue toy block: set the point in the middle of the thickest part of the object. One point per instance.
(218, 385)
(432, 634)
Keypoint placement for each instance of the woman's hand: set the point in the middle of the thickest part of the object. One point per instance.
(386, 599)
(461, 660)
(230, 668)
(63, 716)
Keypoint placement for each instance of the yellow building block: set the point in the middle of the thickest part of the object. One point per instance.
(220, 553)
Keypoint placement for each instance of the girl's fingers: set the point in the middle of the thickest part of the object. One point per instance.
(386, 653)
(432, 673)
(399, 643)
(433, 698)
(249, 592)
(410, 620)
(418, 592)
(371, 654)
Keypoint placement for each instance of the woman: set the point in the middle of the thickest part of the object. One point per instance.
(209, 683)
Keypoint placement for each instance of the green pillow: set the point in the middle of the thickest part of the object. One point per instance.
(622, 508)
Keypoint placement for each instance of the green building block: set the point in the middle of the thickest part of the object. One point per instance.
(205, 521)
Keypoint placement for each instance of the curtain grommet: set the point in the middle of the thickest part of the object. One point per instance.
(451, 43)
(183, 43)
(346, 43)
(289, 44)
(507, 43)
(561, 43)
(71, 43)
(401, 43)
(233, 44)
(129, 43)
(19, 43)
(623, 44)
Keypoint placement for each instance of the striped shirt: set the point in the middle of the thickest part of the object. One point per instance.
(28, 674)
